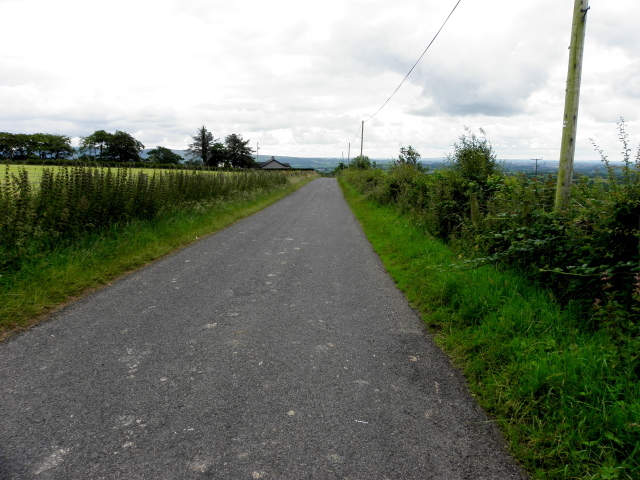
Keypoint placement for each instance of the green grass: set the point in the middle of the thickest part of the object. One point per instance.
(54, 277)
(563, 397)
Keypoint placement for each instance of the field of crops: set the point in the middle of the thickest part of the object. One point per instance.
(42, 206)
(35, 172)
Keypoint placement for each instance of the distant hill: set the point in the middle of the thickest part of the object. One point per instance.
(145, 152)
(327, 164)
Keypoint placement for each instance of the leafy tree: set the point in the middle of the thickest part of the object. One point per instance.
(6, 145)
(341, 166)
(163, 155)
(218, 155)
(239, 154)
(14, 145)
(408, 156)
(95, 144)
(361, 162)
(474, 158)
(47, 145)
(202, 146)
(23, 146)
(122, 147)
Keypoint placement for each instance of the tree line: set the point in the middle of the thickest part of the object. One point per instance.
(123, 147)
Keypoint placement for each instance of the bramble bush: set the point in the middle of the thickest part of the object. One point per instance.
(565, 384)
(587, 254)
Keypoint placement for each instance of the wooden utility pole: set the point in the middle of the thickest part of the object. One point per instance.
(349, 155)
(571, 104)
(362, 139)
(257, 152)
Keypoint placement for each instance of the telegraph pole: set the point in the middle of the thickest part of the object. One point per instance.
(537, 160)
(362, 140)
(349, 155)
(257, 152)
(571, 104)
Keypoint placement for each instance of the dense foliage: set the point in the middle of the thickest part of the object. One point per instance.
(69, 202)
(43, 146)
(586, 256)
(105, 148)
(588, 253)
(207, 150)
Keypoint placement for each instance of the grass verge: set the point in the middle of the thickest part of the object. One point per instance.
(53, 278)
(565, 401)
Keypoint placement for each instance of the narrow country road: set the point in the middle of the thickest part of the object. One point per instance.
(276, 349)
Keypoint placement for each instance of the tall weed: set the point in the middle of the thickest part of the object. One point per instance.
(72, 201)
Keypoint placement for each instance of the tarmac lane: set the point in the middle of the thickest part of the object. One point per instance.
(278, 348)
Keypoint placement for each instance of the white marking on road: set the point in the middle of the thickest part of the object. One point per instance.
(211, 325)
(126, 420)
(52, 461)
(291, 413)
(199, 466)
(413, 359)
(258, 475)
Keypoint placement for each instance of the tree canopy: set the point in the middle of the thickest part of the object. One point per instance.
(18, 146)
(474, 158)
(408, 156)
(163, 155)
(122, 147)
(239, 154)
(119, 147)
(202, 147)
(361, 162)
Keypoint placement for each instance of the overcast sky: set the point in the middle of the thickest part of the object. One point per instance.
(298, 76)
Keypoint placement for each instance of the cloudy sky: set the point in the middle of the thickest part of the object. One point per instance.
(299, 76)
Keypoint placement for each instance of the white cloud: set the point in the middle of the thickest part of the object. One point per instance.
(299, 77)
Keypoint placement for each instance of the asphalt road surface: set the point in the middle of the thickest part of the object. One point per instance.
(276, 349)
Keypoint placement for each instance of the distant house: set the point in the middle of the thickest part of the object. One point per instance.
(273, 164)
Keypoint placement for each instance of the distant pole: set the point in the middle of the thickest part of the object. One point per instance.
(257, 152)
(571, 104)
(349, 155)
(536, 160)
(362, 139)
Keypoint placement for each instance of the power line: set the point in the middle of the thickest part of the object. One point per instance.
(357, 134)
(414, 65)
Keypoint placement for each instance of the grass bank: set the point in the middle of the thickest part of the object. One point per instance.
(567, 405)
(54, 277)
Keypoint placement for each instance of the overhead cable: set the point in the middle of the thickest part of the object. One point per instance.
(414, 66)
